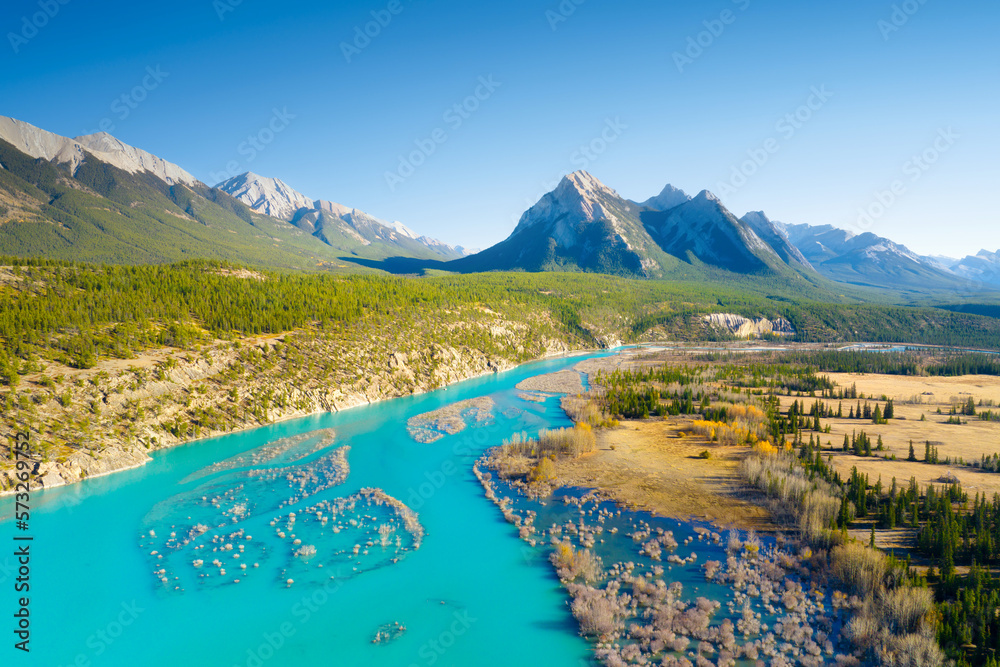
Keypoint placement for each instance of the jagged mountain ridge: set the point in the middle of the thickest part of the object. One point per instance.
(668, 198)
(101, 165)
(585, 225)
(581, 225)
(332, 223)
(39, 143)
(775, 236)
(101, 213)
(270, 196)
(865, 259)
(703, 229)
(983, 267)
(95, 198)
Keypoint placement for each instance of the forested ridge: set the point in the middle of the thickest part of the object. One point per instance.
(77, 312)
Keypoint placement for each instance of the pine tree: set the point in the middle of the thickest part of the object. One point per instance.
(912, 456)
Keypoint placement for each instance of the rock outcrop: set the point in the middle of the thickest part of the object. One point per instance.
(743, 327)
(80, 465)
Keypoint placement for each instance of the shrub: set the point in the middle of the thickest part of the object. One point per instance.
(597, 614)
(544, 472)
(912, 650)
(574, 564)
(860, 569)
(812, 504)
(904, 610)
(570, 442)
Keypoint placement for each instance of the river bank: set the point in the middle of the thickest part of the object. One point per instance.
(91, 422)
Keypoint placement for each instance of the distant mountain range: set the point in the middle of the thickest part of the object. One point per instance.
(95, 198)
(584, 225)
(983, 268)
(332, 223)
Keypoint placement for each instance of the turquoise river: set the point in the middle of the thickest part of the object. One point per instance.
(471, 594)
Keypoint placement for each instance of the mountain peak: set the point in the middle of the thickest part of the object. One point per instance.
(270, 196)
(757, 216)
(583, 183)
(578, 195)
(669, 189)
(329, 221)
(704, 228)
(336, 209)
(668, 198)
(774, 234)
(582, 223)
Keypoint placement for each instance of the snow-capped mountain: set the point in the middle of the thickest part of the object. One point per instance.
(983, 267)
(39, 143)
(864, 259)
(334, 224)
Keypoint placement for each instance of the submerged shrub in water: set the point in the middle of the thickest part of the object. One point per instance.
(596, 613)
(572, 564)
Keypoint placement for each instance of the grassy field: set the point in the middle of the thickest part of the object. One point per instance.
(656, 466)
(969, 441)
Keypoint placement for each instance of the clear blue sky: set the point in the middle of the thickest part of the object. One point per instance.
(561, 82)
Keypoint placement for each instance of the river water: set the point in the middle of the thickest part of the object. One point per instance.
(469, 595)
(364, 538)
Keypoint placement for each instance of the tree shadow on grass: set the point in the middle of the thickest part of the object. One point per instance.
(402, 266)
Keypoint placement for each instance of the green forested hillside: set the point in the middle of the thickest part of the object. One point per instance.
(104, 214)
(79, 312)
